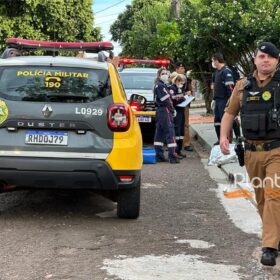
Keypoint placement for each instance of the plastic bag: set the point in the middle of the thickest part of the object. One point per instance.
(218, 158)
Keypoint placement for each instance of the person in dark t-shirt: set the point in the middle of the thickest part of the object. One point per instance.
(223, 84)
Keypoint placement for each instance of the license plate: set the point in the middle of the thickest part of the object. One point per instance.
(145, 119)
(46, 138)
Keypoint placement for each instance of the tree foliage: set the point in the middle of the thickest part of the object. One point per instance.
(165, 42)
(59, 20)
(231, 27)
(148, 29)
(122, 24)
(137, 28)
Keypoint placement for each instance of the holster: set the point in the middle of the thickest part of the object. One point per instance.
(239, 150)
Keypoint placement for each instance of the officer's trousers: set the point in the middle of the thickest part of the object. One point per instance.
(187, 137)
(218, 115)
(264, 172)
(164, 133)
(179, 122)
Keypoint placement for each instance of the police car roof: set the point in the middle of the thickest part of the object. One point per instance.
(140, 70)
(54, 61)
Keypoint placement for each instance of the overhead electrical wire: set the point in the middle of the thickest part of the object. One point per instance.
(98, 17)
(106, 21)
(109, 7)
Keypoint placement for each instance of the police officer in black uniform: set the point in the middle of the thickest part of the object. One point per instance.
(258, 99)
(223, 84)
(164, 119)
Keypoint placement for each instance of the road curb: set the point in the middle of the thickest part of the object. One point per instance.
(195, 134)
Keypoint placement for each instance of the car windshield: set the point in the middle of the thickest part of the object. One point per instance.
(138, 80)
(54, 84)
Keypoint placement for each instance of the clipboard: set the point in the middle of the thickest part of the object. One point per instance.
(187, 101)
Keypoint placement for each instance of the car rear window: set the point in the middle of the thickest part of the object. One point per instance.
(138, 80)
(54, 84)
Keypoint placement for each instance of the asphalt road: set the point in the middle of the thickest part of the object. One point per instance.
(183, 233)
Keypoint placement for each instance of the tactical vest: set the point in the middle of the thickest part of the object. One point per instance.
(256, 111)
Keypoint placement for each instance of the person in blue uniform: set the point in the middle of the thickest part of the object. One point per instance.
(164, 119)
(223, 84)
(177, 96)
(187, 90)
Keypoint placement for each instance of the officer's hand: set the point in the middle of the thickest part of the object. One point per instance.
(224, 145)
(213, 104)
(174, 114)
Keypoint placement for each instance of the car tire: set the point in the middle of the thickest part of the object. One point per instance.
(129, 202)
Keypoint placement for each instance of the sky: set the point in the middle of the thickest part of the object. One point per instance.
(105, 13)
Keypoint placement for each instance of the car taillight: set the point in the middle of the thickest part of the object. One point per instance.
(135, 106)
(118, 117)
(126, 178)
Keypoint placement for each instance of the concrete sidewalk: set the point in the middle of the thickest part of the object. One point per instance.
(202, 129)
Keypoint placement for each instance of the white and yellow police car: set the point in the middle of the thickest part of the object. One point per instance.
(65, 123)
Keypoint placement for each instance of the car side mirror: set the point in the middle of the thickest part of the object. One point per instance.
(138, 98)
(137, 102)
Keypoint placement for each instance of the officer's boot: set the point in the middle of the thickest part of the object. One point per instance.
(269, 256)
(159, 154)
(172, 155)
(179, 149)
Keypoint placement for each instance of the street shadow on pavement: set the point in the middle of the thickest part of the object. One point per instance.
(53, 203)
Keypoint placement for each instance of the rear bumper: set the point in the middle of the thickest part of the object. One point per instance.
(145, 113)
(47, 173)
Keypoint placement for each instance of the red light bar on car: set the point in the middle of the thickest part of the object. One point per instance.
(24, 44)
(163, 62)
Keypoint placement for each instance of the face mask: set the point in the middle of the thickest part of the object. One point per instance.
(213, 65)
(180, 85)
(164, 77)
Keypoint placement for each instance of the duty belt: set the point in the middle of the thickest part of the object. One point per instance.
(262, 147)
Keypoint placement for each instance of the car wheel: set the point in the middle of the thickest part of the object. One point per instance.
(129, 202)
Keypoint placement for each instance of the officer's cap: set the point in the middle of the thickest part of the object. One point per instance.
(269, 48)
(179, 64)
